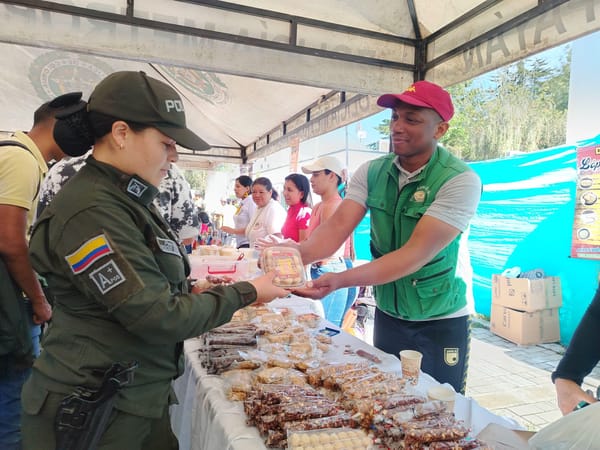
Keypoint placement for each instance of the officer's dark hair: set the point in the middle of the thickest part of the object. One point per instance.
(303, 185)
(244, 180)
(264, 181)
(101, 124)
(76, 132)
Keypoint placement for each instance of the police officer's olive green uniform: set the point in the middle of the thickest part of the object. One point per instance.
(120, 292)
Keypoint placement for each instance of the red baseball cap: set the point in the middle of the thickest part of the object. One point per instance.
(425, 95)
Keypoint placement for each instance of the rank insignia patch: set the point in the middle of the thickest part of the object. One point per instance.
(136, 188)
(107, 277)
(88, 253)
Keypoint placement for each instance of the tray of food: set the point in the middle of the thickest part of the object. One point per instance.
(287, 265)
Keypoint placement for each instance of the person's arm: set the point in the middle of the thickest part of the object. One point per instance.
(581, 357)
(141, 299)
(231, 230)
(14, 252)
(331, 233)
(429, 237)
(302, 235)
(449, 214)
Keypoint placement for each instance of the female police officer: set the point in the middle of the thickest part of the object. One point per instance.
(116, 273)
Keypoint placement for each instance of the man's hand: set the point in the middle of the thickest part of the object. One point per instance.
(273, 240)
(569, 394)
(319, 288)
(42, 311)
(266, 290)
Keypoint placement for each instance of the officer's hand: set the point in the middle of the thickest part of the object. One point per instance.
(42, 311)
(319, 288)
(266, 290)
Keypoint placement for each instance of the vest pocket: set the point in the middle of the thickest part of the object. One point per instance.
(435, 292)
(415, 211)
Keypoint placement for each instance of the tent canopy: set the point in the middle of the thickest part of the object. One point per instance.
(258, 75)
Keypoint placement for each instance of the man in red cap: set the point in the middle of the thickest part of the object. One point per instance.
(421, 200)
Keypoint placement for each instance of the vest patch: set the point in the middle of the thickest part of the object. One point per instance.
(451, 356)
(168, 246)
(88, 253)
(108, 276)
(136, 188)
(419, 196)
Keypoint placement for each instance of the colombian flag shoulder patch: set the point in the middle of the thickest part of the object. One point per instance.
(89, 252)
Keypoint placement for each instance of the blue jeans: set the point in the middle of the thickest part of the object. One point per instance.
(12, 378)
(352, 290)
(334, 303)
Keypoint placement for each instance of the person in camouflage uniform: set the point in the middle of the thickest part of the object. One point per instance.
(174, 200)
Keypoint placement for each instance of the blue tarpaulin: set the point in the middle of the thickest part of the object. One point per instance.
(525, 219)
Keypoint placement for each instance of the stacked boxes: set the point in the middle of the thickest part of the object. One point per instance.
(525, 311)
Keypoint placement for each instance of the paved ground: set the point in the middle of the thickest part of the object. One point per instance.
(512, 380)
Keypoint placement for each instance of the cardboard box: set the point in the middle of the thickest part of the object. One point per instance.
(524, 294)
(525, 328)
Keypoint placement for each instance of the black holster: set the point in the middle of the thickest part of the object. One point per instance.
(83, 415)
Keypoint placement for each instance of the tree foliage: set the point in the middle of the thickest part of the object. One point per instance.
(520, 107)
(197, 179)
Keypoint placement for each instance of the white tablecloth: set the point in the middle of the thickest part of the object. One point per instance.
(206, 420)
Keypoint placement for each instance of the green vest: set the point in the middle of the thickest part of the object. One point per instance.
(434, 290)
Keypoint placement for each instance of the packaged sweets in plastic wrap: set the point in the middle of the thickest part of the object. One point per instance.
(287, 265)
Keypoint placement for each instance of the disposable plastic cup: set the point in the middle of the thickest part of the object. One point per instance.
(443, 393)
(411, 365)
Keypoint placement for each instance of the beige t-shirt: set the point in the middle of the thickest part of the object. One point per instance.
(21, 173)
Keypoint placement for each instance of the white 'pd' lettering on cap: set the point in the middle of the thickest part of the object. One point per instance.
(177, 105)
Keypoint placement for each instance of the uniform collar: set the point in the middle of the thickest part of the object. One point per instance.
(133, 186)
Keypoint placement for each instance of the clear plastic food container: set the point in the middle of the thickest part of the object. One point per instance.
(287, 265)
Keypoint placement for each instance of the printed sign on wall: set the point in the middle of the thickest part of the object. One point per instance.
(586, 227)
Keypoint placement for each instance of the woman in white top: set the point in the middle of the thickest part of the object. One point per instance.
(244, 212)
(269, 215)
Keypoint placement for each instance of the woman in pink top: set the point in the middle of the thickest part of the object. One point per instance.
(326, 177)
(296, 192)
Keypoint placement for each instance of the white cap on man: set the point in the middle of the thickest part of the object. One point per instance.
(325, 163)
